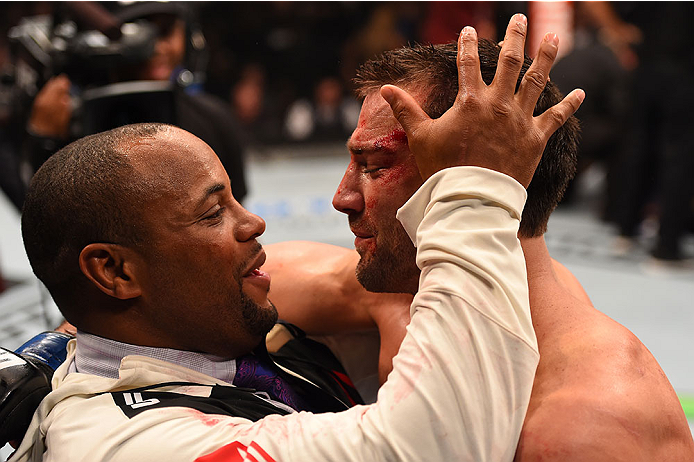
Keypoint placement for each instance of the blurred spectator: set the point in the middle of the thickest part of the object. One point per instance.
(385, 26)
(594, 66)
(330, 115)
(267, 56)
(11, 129)
(248, 97)
(250, 103)
(657, 159)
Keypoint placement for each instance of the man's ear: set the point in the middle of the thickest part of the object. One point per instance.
(111, 268)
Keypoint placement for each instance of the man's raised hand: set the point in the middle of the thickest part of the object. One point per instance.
(489, 126)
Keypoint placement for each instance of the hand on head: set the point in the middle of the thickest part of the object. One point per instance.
(490, 126)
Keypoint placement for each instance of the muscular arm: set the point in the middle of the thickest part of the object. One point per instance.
(599, 394)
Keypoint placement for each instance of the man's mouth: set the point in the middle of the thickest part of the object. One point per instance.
(362, 239)
(255, 274)
(362, 234)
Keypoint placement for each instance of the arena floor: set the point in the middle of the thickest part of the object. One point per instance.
(292, 188)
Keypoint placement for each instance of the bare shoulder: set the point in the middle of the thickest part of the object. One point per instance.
(601, 395)
(570, 282)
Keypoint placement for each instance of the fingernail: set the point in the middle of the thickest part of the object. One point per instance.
(521, 19)
(468, 30)
(581, 94)
(552, 38)
(387, 94)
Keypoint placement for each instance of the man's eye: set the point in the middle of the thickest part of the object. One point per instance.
(216, 215)
(371, 170)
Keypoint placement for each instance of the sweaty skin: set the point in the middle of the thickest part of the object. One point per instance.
(599, 394)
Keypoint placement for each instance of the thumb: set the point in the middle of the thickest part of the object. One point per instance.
(408, 112)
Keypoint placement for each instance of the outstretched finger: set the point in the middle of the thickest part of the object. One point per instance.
(408, 112)
(511, 57)
(554, 117)
(468, 61)
(537, 75)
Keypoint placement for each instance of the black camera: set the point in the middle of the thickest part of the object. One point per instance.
(92, 46)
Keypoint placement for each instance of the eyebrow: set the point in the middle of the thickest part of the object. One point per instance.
(215, 188)
(363, 148)
(382, 144)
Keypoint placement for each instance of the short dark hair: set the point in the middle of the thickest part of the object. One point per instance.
(433, 68)
(85, 193)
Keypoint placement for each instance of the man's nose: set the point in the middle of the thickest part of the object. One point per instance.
(250, 227)
(348, 198)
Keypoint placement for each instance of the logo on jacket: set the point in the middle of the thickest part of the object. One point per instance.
(135, 401)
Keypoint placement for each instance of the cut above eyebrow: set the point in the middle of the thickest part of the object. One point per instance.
(362, 149)
(387, 144)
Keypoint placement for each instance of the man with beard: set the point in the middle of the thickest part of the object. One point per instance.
(138, 238)
(598, 394)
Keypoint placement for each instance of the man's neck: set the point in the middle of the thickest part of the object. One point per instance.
(543, 286)
(537, 259)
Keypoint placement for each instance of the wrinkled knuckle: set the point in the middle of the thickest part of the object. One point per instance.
(512, 58)
(468, 99)
(548, 52)
(557, 118)
(517, 30)
(500, 109)
(539, 140)
(468, 59)
(398, 109)
(536, 79)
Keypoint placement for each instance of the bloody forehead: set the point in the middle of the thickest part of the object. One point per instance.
(390, 142)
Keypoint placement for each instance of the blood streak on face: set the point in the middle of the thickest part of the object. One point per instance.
(396, 139)
(380, 178)
(389, 178)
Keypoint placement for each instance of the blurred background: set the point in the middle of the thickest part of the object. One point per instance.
(268, 86)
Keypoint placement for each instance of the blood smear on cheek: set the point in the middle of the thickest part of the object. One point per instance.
(391, 176)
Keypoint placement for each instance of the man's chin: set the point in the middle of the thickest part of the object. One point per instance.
(258, 317)
(387, 274)
(369, 275)
(365, 246)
